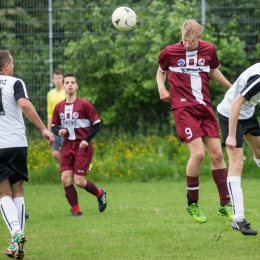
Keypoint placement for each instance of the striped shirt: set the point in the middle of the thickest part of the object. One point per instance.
(76, 117)
(188, 73)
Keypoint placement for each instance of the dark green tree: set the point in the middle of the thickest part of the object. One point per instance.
(117, 70)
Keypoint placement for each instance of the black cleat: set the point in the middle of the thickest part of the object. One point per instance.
(244, 227)
(26, 216)
(102, 202)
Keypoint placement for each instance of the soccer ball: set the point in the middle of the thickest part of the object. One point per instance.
(124, 18)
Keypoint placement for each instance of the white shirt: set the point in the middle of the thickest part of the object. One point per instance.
(12, 127)
(248, 85)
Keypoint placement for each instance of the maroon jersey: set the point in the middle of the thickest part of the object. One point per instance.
(188, 73)
(76, 117)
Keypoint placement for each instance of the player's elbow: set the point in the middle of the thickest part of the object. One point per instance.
(25, 107)
(98, 126)
(25, 104)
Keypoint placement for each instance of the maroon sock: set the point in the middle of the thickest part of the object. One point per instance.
(71, 195)
(220, 178)
(192, 189)
(92, 188)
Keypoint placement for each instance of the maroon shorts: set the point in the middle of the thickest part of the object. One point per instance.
(194, 122)
(71, 158)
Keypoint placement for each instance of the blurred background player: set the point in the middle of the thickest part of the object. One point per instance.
(54, 96)
(190, 65)
(78, 122)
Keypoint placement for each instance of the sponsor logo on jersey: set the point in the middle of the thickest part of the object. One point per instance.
(183, 99)
(191, 61)
(181, 62)
(75, 115)
(62, 116)
(201, 62)
(68, 123)
(187, 70)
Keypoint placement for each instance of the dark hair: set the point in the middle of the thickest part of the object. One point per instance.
(69, 75)
(4, 58)
(58, 72)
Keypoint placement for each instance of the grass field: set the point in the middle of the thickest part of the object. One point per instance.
(142, 221)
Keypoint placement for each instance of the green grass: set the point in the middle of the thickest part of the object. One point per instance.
(142, 221)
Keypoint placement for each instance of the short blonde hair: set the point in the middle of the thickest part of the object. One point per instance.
(191, 28)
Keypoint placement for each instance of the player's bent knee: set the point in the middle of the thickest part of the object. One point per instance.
(236, 165)
(66, 180)
(56, 155)
(218, 155)
(198, 157)
(80, 182)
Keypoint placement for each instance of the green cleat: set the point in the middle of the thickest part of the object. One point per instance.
(226, 211)
(196, 213)
(16, 248)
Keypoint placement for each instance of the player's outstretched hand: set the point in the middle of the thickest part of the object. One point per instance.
(231, 143)
(48, 136)
(83, 144)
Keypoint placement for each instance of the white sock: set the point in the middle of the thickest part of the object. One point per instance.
(10, 215)
(236, 196)
(19, 203)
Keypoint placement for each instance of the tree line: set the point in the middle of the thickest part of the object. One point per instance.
(116, 70)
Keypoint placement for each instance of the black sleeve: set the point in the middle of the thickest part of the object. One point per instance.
(251, 88)
(20, 90)
(55, 130)
(94, 129)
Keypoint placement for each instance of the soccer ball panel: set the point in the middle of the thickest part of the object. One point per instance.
(124, 18)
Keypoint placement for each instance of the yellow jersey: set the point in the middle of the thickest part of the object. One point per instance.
(54, 97)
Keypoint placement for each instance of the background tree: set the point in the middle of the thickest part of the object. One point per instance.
(117, 70)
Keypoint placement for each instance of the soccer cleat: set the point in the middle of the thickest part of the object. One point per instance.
(196, 213)
(102, 202)
(10, 251)
(75, 214)
(16, 248)
(26, 216)
(244, 227)
(226, 211)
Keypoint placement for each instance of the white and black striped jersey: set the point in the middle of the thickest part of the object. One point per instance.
(12, 127)
(248, 85)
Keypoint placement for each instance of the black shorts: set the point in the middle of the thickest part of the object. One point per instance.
(13, 164)
(244, 126)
